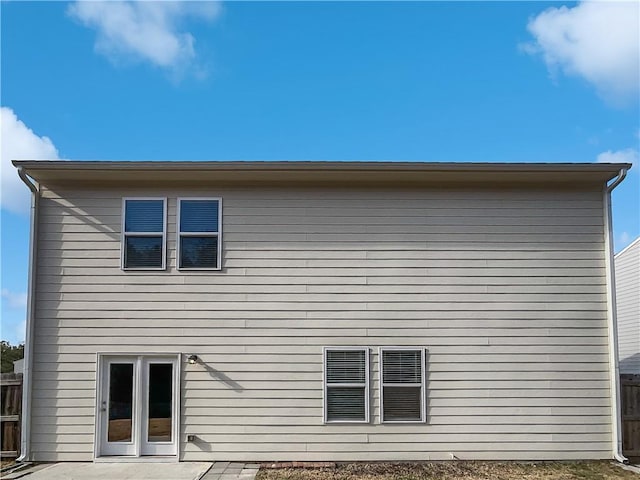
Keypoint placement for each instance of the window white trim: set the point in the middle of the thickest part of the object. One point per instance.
(422, 384)
(367, 382)
(217, 234)
(124, 234)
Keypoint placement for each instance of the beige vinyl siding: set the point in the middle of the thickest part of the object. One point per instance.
(505, 289)
(627, 265)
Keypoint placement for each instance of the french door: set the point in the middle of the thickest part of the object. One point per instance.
(138, 405)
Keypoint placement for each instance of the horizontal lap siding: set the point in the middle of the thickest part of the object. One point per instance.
(505, 289)
(627, 266)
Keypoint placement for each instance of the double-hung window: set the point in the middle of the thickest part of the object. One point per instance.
(402, 380)
(199, 233)
(144, 233)
(346, 384)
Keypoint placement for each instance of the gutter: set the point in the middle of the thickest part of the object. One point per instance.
(614, 368)
(25, 430)
(314, 165)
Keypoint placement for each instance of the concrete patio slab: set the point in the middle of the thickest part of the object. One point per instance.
(122, 471)
(231, 471)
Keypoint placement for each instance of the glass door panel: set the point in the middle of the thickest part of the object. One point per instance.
(120, 428)
(160, 405)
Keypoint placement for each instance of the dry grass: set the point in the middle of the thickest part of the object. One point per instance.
(456, 470)
(5, 462)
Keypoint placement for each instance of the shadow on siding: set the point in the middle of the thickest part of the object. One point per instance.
(218, 375)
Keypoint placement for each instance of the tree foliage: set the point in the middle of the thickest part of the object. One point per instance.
(9, 354)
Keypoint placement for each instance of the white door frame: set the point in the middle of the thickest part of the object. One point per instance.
(158, 448)
(116, 448)
(139, 446)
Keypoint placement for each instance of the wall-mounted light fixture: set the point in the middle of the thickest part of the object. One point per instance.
(192, 359)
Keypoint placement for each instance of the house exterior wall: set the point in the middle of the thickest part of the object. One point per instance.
(627, 266)
(505, 289)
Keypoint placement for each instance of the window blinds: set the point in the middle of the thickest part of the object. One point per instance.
(346, 385)
(402, 385)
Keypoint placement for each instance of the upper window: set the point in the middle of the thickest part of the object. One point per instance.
(199, 230)
(403, 385)
(346, 380)
(144, 233)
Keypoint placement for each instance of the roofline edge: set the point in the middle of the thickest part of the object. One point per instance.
(313, 164)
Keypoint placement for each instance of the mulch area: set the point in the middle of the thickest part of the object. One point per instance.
(454, 470)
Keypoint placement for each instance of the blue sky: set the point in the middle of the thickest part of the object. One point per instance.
(425, 81)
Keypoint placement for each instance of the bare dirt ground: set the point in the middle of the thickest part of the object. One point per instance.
(462, 470)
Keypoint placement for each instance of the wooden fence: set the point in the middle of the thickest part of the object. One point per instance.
(11, 388)
(630, 393)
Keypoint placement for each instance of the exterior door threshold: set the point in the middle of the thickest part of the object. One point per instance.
(131, 459)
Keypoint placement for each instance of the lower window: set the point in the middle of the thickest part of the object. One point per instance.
(402, 380)
(346, 384)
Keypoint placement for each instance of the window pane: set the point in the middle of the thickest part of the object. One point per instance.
(120, 402)
(144, 216)
(401, 404)
(199, 216)
(160, 402)
(402, 366)
(346, 366)
(345, 403)
(143, 252)
(198, 252)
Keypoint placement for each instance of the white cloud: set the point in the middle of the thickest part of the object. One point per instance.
(596, 40)
(140, 30)
(625, 238)
(14, 300)
(19, 142)
(628, 155)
